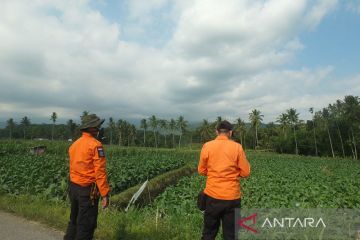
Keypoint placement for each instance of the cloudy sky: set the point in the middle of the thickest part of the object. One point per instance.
(197, 58)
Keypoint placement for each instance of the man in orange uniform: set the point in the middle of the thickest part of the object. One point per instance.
(88, 180)
(223, 161)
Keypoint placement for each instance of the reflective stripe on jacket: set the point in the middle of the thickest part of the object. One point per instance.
(88, 163)
(223, 161)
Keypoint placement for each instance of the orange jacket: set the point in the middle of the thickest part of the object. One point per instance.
(223, 161)
(88, 163)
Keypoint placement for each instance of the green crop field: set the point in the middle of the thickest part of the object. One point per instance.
(276, 181)
(280, 181)
(47, 175)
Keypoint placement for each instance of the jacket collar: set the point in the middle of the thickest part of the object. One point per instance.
(85, 134)
(222, 137)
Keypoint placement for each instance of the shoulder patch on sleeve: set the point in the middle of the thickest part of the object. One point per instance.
(101, 151)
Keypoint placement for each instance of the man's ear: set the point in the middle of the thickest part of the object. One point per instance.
(230, 133)
(217, 132)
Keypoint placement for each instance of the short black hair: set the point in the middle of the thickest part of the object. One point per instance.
(224, 126)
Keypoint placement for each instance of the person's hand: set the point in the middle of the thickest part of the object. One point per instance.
(105, 202)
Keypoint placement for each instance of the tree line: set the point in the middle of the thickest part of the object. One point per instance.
(332, 131)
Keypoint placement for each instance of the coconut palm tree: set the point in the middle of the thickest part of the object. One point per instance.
(326, 117)
(154, 125)
(181, 125)
(255, 118)
(10, 124)
(143, 125)
(84, 113)
(217, 121)
(112, 127)
(25, 123)
(283, 120)
(53, 118)
(352, 115)
(121, 127)
(205, 130)
(163, 124)
(335, 111)
(293, 119)
(311, 110)
(240, 127)
(72, 127)
(131, 129)
(172, 127)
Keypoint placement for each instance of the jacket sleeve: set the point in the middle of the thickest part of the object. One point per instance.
(100, 170)
(243, 163)
(204, 156)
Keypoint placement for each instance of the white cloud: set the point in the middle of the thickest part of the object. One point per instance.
(275, 91)
(222, 59)
(318, 11)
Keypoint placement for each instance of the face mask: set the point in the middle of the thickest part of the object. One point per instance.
(100, 135)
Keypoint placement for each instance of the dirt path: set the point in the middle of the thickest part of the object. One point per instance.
(16, 228)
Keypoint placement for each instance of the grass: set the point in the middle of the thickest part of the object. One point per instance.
(112, 224)
(54, 214)
(154, 187)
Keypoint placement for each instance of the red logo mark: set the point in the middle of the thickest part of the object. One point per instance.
(253, 217)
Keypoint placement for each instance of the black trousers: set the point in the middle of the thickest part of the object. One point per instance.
(217, 211)
(83, 216)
